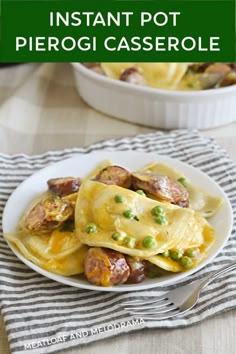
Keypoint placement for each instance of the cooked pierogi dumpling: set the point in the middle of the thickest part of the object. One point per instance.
(59, 252)
(99, 217)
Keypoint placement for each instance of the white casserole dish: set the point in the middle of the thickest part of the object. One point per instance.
(166, 109)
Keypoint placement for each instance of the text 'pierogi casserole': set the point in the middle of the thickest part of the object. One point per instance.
(115, 226)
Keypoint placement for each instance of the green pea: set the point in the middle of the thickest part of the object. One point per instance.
(186, 262)
(128, 214)
(149, 242)
(175, 255)
(116, 236)
(183, 181)
(158, 211)
(191, 85)
(161, 220)
(91, 228)
(191, 252)
(119, 198)
(141, 192)
(129, 241)
(165, 254)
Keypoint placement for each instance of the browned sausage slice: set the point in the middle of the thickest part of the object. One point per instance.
(211, 68)
(105, 267)
(64, 186)
(229, 79)
(137, 269)
(133, 76)
(162, 188)
(115, 175)
(199, 67)
(48, 214)
(218, 68)
(213, 75)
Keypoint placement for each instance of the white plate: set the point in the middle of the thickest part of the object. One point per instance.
(80, 166)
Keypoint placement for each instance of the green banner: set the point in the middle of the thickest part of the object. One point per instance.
(136, 31)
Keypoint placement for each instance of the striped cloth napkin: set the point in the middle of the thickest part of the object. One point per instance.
(42, 316)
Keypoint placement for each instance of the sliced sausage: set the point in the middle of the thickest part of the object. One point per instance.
(161, 188)
(136, 270)
(115, 175)
(199, 67)
(105, 267)
(210, 80)
(133, 76)
(48, 214)
(229, 79)
(213, 75)
(64, 185)
(218, 68)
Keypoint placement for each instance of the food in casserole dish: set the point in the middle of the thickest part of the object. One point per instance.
(117, 226)
(175, 76)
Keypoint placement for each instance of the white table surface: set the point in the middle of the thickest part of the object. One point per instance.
(40, 110)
